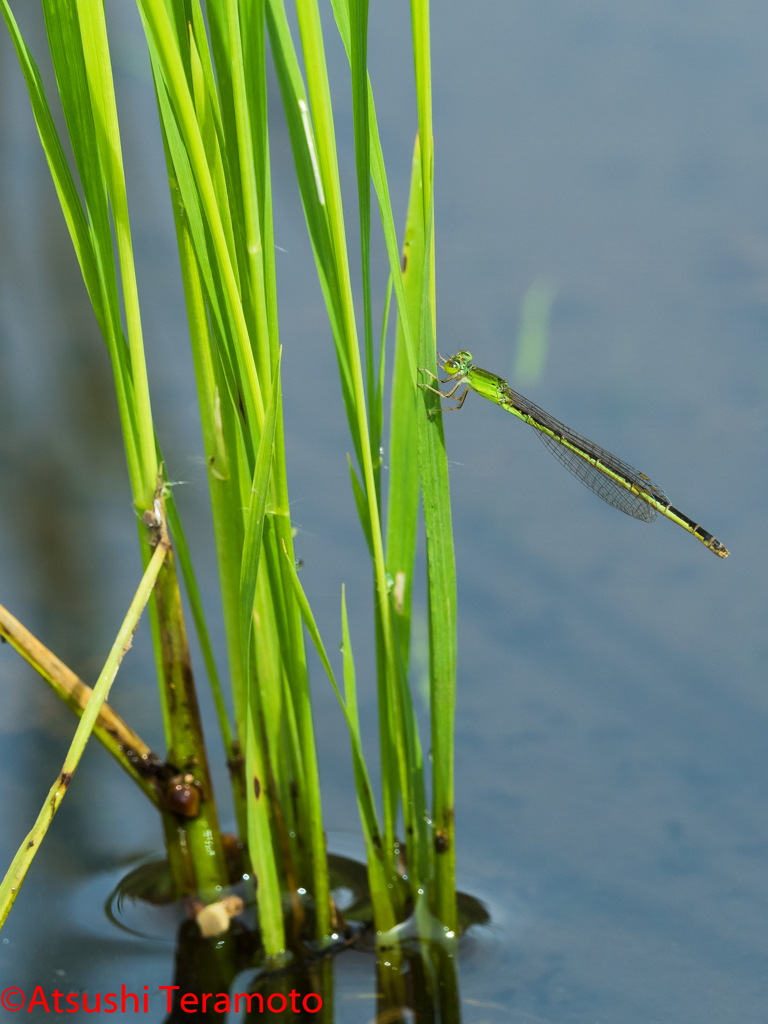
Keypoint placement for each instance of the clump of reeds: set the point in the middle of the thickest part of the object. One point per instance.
(209, 65)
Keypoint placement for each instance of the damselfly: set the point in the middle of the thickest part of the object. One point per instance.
(611, 479)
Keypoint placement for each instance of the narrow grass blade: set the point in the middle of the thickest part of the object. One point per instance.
(441, 580)
(170, 69)
(381, 872)
(362, 506)
(403, 495)
(115, 735)
(92, 242)
(249, 189)
(261, 841)
(16, 873)
(422, 64)
(441, 569)
(379, 176)
(259, 721)
(313, 199)
(358, 10)
(365, 793)
(255, 520)
(101, 87)
(57, 163)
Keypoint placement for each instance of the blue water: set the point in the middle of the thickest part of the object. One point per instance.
(612, 790)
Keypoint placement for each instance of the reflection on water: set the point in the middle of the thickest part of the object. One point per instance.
(141, 905)
(611, 776)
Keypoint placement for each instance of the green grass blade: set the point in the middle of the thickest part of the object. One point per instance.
(101, 87)
(221, 52)
(261, 844)
(255, 518)
(403, 491)
(310, 808)
(207, 109)
(379, 176)
(313, 198)
(358, 10)
(187, 206)
(260, 740)
(441, 568)
(403, 495)
(57, 163)
(422, 64)
(361, 504)
(382, 355)
(90, 242)
(381, 871)
(249, 190)
(171, 70)
(365, 792)
(255, 61)
(441, 579)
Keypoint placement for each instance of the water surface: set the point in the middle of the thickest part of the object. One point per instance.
(611, 770)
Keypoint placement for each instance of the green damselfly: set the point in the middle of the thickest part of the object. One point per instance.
(614, 481)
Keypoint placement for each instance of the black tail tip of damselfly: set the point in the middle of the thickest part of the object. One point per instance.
(719, 549)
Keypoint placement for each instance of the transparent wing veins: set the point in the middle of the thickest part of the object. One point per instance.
(599, 483)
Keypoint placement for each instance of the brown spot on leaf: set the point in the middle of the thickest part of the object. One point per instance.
(64, 779)
(442, 842)
(256, 787)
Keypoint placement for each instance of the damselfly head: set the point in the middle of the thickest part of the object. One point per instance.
(459, 364)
